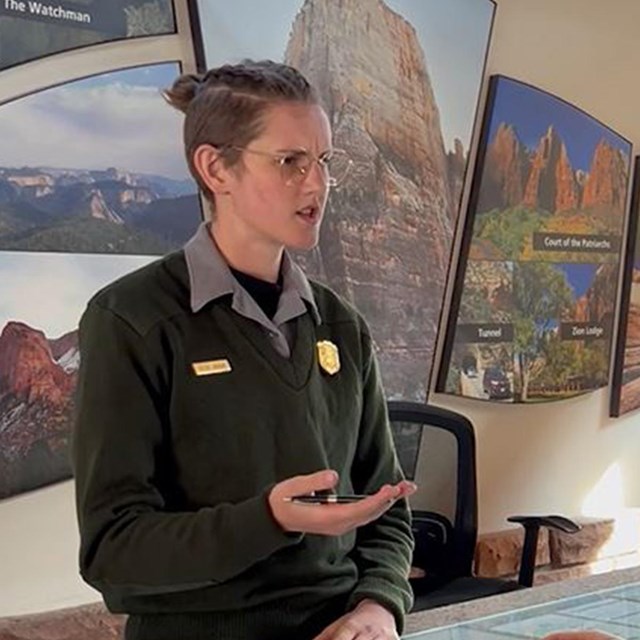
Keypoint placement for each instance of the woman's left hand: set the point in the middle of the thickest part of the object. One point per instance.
(368, 621)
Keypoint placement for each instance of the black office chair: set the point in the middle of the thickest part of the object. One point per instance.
(445, 510)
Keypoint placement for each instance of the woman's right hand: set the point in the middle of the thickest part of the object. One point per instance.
(329, 519)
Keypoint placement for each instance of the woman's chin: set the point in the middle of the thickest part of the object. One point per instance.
(304, 244)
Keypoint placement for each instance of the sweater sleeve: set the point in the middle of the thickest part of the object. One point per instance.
(384, 547)
(131, 542)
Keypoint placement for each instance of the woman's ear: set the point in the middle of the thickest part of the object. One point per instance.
(207, 161)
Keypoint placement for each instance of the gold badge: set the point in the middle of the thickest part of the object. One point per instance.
(328, 356)
(211, 367)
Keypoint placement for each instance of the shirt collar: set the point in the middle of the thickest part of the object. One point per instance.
(210, 277)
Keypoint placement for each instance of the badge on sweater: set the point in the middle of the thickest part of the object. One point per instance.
(211, 367)
(328, 356)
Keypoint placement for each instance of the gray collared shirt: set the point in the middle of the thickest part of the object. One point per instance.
(210, 278)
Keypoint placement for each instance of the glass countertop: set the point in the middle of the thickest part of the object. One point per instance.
(615, 611)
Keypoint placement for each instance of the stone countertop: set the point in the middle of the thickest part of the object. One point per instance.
(454, 614)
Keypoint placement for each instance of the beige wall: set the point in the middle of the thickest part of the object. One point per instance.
(39, 552)
(530, 459)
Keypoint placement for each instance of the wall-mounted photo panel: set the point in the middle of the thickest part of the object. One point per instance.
(43, 297)
(96, 166)
(399, 80)
(536, 288)
(33, 29)
(625, 393)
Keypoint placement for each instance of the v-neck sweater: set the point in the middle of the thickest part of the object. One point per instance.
(173, 469)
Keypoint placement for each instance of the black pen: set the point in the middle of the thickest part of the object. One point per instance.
(331, 498)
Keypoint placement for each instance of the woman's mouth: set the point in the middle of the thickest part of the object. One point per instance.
(311, 215)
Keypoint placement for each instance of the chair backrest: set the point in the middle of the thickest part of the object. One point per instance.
(436, 447)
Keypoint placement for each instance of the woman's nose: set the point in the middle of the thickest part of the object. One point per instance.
(317, 177)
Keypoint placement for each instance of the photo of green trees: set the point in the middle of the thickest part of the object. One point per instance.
(533, 309)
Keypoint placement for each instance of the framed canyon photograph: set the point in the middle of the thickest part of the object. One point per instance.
(43, 297)
(535, 293)
(625, 390)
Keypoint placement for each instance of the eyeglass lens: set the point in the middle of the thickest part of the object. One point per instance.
(297, 166)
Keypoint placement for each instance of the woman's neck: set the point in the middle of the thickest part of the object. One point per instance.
(247, 254)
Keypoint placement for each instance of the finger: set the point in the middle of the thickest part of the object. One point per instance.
(327, 634)
(309, 483)
(407, 488)
(337, 519)
(372, 507)
(417, 572)
(384, 497)
(345, 632)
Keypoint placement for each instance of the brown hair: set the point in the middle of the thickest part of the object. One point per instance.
(225, 106)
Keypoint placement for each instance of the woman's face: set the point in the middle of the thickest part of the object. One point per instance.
(268, 207)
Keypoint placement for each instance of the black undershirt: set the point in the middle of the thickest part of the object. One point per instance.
(266, 294)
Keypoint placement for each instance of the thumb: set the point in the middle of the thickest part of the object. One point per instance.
(328, 633)
(318, 481)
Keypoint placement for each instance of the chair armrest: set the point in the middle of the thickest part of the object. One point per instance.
(551, 522)
(532, 526)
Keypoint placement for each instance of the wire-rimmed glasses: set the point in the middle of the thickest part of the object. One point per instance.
(295, 165)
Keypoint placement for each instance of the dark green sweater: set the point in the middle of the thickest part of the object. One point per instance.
(173, 470)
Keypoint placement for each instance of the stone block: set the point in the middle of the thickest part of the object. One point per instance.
(498, 553)
(581, 547)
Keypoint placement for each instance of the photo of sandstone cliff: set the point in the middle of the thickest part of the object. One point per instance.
(28, 34)
(548, 169)
(549, 199)
(401, 99)
(83, 169)
(43, 298)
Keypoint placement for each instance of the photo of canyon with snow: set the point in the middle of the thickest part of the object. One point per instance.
(547, 207)
(399, 80)
(43, 297)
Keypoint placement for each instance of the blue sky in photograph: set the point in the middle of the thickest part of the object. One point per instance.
(117, 119)
(579, 276)
(452, 33)
(156, 75)
(532, 111)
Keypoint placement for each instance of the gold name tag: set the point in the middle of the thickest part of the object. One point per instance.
(211, 367)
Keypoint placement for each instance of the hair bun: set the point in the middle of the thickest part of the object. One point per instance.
(184, 90)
